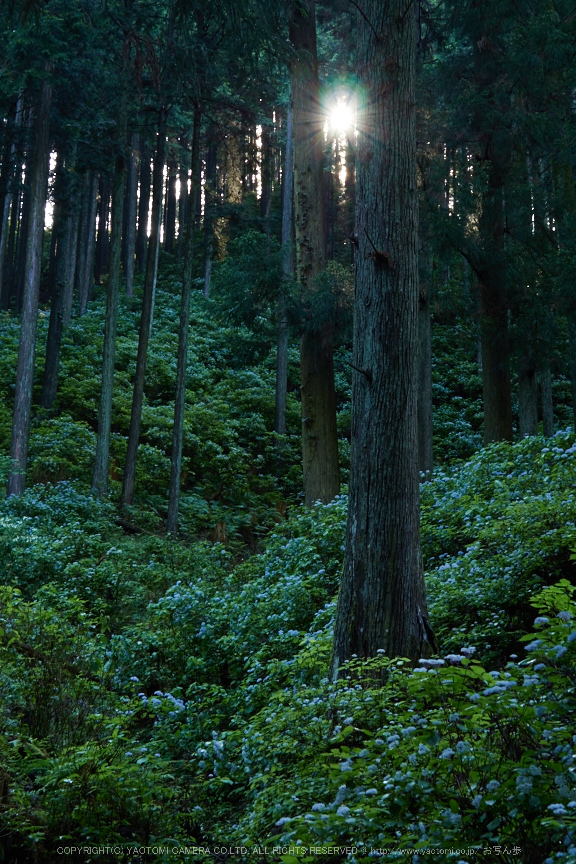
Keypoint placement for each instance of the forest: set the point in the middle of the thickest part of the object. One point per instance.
(287, 431)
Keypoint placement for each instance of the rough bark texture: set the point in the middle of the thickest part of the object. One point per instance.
(170, 235)
(102, 241)
(179, 402)
(425, 422)
(146, 318)
(30, 296)
(100, 476)
(527, 395)
(131, 203)
(287, 272)
(321, 472)
(143, 206)
(382, 601)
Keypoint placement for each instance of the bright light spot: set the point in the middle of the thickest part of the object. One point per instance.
(342, 117)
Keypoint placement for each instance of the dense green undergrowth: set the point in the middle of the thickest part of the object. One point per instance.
(159, 692)
(156, 693)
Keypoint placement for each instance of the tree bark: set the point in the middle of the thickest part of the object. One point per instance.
(288, 273)
(382, 601)
(425, 421)
(179, 402)
(100, 475)
(9, 183)
(146, 317)
(27, 344)
(143, 206)
(60, 307)
(102, 242)
(183, 199)
(131, 206)
(321, 473)
(170, 235)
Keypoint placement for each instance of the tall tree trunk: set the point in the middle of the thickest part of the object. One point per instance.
(183, 198)
(288, 273)
(27, 344)
(146, 318)
(178, 429)
(101, 460)
(143, 205)
(61, 303)
(81, 246)
(319, 431)
(23, 230)
(425, 422)
(131, 202)
(88, 277)
(572, 350)
(102, 242)
(382, 601)
(170, 235)
(10, 262)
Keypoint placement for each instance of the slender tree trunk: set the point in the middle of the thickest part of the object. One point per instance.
(9, 264)
(100, 476)
(382, 601)
(102, 242)
(179, 402)
(319, 430)
(183, 199)
(143, 206)
(171, 206)
(27, 343)
(146, 318)
(288, 273)
(23, 229)
(88, 276)
(131, 202)
(60, 307)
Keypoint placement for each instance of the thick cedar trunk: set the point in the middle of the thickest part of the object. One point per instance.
(425, 423)
(287, 272)
(319, 431)
(527, 395)
(382, 601)
(27, 343)
(143, 206)
(178, 430)
(146, 317)
(170, 235)
(131, 204)
(100, 475)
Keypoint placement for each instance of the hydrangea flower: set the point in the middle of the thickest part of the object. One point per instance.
(493, 785)
(341, 811)
(447, 753)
